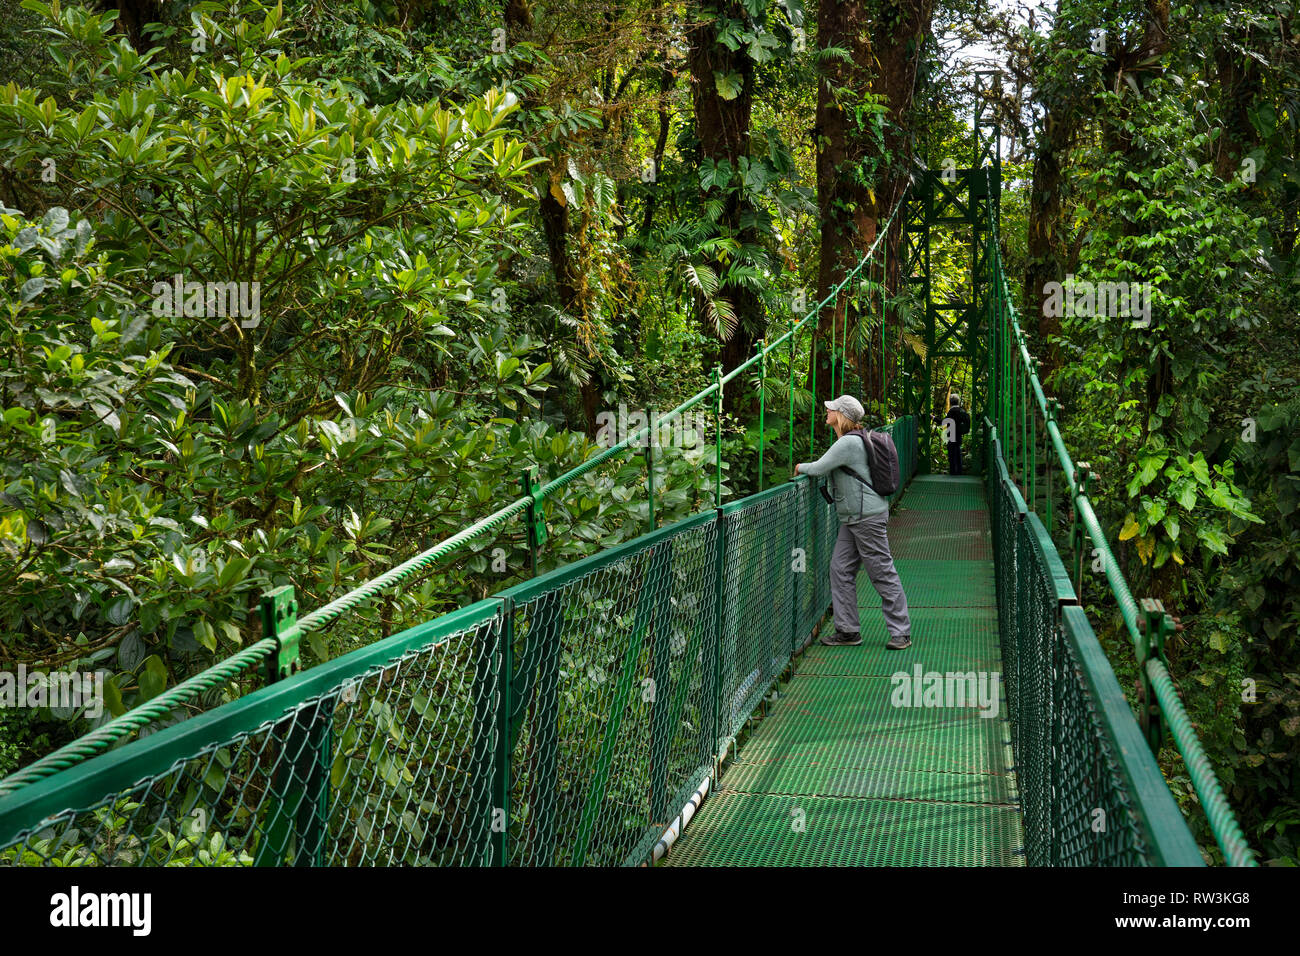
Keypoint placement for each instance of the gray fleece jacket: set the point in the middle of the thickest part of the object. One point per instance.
(853, 500)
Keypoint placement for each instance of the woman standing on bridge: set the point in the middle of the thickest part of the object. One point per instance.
(863, 537)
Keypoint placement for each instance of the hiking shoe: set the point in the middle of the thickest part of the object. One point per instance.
(899, 643)
(840, 639)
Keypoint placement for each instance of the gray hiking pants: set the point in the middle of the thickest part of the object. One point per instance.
(866, 542)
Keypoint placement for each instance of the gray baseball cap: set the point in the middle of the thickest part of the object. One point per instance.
(848, 406)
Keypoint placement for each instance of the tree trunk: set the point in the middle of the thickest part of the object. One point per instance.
(846, 209)
(1240, 83)
(898, 51)
(857, 179)
(722, 127)
(132, 15)
(1044, 251)
(554, 215)
(666, 79)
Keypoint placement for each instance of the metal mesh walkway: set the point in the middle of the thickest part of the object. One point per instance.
(843, 771)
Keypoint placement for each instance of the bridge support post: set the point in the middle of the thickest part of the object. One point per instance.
(1052, 407)
(789, 448)
(796, 592)
(298, 803)
(762, 374)
(1078, 534)
(1031, 373)
(719, 619)
(536, 524)
(663, 713)
(812, 407)
(535, 697)
(650, 467)
(1156, 626)
(717, 462)
(492, 739)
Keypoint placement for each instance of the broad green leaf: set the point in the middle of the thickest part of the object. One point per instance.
(118, 611)
(204, 634)
(729, 85)
(154, 678)
(1214, 539)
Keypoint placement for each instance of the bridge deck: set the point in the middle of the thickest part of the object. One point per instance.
(837, 775)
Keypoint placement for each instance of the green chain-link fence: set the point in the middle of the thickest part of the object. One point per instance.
(1021, 415)
(1091, 792)
(564, 721)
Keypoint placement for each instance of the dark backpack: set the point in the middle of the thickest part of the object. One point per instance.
(882, 459)
(961, 419)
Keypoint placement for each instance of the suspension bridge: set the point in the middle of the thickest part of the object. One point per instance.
(664, 700)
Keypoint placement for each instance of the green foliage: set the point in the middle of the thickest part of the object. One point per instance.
(162, 467)
(23, 737)
(420, 339)
(1188, 418)
(114, 833)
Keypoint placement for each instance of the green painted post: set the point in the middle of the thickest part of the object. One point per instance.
(538, 679)
(1078, 533)
(717, 446)
(844, 354)
(1156, 626)
(762, 375)
(1001, 398)
(1025, 450)
(906, 380)
(1005, 433)
(925, 400)
(298, 803)
(535, 529)
(501, 757)
(650, 465)
(719, 618)
(1033, 438)
(812, 408)
(835, 346)
(990, 369)
(625, 690)
(1052, 407)
(662, 725)
(800, 540)
(487, 818)
(789, 451)
(279, 613)
(1013, 435)
(814, 539)
(1018, 412)
(1004, 412)
(884, 328)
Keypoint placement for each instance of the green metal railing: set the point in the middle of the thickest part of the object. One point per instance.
(567, 719)
(1091, 792)
(564, 721)
(437, 744)
(1018, 405)
(278, 651)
